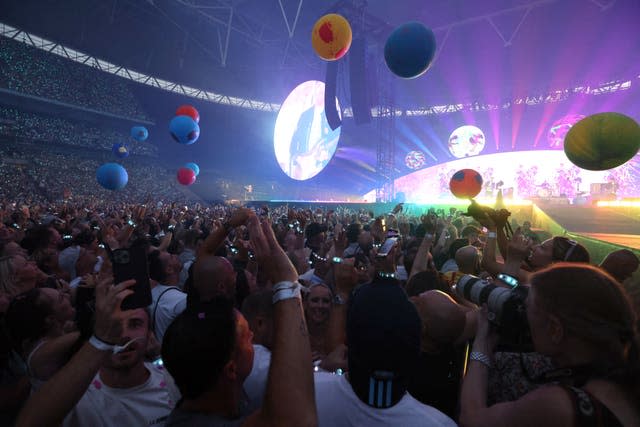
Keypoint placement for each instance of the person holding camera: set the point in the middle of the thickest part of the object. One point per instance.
(582, 318)
(522, 255)
(59, 395)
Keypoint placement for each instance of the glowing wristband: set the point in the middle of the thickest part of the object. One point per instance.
(509, 280)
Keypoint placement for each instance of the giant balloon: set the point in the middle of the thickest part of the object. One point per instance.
(186, 176)
(465, 184)
(190, 111)
(195, 168)
(120, 151)
(184, 130)
(112, 176)
(139, 133)
(602, 141)
(409, 50)
(331, 37)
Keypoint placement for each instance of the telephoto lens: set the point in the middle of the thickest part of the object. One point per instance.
(507, 310)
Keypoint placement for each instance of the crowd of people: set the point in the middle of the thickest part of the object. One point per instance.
(300, 317)
(32, 176)
(28, 70)
(53, 131)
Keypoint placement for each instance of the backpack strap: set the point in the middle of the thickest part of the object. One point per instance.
(155, 307)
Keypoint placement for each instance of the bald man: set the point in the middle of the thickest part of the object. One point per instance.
(213, 276)
(468, 259)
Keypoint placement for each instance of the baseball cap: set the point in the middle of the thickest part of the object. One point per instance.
(383, 337)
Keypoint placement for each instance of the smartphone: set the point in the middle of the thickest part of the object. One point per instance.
(387, 246)
(132, 264)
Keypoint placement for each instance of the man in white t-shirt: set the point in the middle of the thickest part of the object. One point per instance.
(257, 308)
(168, 301)
(126, 391)
(383, 338)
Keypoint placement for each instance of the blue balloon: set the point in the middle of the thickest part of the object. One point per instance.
(112, 176)
(184, 130)
(193, 167)
(120, 151)
(409, 50)
(139, 133)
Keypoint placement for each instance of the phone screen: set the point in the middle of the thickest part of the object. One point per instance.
(387, 246)
(132, 264)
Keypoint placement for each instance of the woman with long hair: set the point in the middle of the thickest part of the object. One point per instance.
(583, 319)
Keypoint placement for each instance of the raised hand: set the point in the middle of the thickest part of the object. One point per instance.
(240, 216)
(109, 315)
(269, 253)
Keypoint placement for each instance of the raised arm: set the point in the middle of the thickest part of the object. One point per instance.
(345, 279)
(421, 261)
(216, 238)
(53, 401)
(289, 399)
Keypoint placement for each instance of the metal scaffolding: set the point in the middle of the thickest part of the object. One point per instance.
(386, 146)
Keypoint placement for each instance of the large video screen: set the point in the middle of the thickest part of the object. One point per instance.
(522, 175)
(303, 141)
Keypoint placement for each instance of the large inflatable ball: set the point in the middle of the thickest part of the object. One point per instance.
(602, 141)
(409, 50)
(184, 130)
(139, 133)
(331, 37)
(195, 168)
(465, 184)
(186, 176)
(112, 176)
(190, 111)
(120, 151)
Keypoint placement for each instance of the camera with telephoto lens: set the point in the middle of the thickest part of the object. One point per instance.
(507, 310)
(499, 217)
(478, 212)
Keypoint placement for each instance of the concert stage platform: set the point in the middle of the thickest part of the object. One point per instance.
(601, 228)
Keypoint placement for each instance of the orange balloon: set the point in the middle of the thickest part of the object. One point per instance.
(465, 184)
(331, 37)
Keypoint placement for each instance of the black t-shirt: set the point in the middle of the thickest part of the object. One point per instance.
(437, 379)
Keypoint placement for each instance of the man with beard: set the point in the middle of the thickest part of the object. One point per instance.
(126, 391)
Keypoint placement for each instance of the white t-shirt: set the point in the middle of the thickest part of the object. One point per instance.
(255, 385)
(171, 304)
(148, 404)
(339, 406)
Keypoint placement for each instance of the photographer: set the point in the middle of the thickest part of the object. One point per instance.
(582, 318)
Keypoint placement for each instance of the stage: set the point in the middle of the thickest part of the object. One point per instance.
(600, 229)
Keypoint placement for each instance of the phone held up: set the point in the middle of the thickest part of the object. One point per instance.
(387, 246)
(131, 263)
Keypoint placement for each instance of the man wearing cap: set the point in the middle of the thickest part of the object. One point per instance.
(383, 340)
